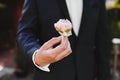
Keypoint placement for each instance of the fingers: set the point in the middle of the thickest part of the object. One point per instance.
(47, 54)
(62, 47)
(52, 42)
(67, 52)
(59, 56)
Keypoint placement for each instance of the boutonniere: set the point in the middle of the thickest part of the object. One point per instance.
(64, 27)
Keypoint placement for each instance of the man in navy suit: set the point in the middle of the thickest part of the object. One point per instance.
(84, 56)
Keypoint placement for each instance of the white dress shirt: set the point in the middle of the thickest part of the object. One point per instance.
(75, 9)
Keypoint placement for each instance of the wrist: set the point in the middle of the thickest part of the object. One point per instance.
(44, 68)
(39, 61)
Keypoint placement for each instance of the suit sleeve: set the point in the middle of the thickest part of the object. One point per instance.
(103, 45)
(27, 33)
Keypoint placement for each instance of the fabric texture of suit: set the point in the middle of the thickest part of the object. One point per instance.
(91, 48)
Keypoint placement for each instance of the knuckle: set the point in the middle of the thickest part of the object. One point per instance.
(63, 47)
(69, 51)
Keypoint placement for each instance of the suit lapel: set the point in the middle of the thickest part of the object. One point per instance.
(65, 13)
(89, 15)
(63, 8)
(83, 17)
(87, 4)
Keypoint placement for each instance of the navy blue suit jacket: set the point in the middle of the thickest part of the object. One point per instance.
(91, 48)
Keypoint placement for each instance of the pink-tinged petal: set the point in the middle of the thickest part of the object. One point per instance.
(63, 26)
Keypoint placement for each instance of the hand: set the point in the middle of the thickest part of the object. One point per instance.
(47, 54)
